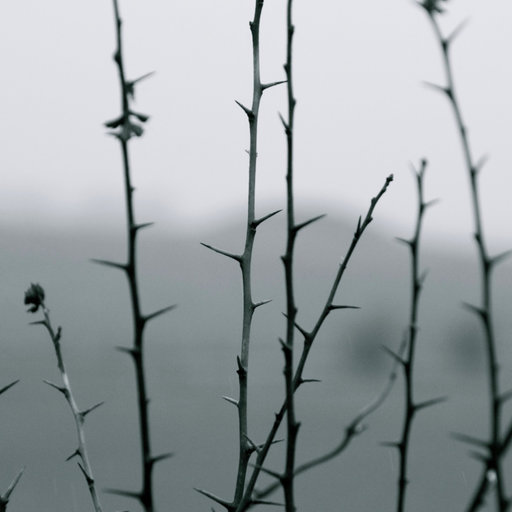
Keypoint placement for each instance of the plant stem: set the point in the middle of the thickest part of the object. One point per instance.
(292, 426)
(309, 337)
(78, 415)
(408, 363)
(484, 311)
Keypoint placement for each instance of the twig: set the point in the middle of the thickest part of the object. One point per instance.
(126, 126)
(493, 459)
(35, 297)
(309, 337)
(246, 449)
(411, 408)
(292, 426)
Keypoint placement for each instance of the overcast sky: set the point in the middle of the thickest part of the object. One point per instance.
(362, 111)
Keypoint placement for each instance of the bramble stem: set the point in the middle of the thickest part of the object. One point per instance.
(78, 415)
(484, 311)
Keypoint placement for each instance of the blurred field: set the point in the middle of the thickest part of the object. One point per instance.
(191, 364)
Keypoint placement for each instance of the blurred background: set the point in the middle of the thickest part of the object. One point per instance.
(362, 113)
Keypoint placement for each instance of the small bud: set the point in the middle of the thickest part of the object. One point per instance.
(34, 297)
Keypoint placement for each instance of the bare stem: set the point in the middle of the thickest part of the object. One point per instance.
(309, 338)
(78, 414)
(408, 363)
(292, 426)
(484, 311)
(128, 125)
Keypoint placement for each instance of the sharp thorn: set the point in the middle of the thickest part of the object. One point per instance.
(257, 222)
(475, 309)
(235, 257)
(458, 29)
(230, 400)
(76, 453)
(212, 496)
(464, 438)
(272, 84)
(144, 225)
(88, 477)
(298, 227)
(58, 388)
(147, 318)
(7, 494)
(429, 403)
(245, 109)
(162, 457)
(121, 492)
(437, 87)
(9, 386)
(261, 303)
(394, 355)
(90, 409)
(120, 266)
(333, 307)
(269, 472)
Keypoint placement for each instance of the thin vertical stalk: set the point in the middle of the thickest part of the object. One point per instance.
(128, 125)
(35, 296)
(484, 312)
(245, 445)
(309, 337)
(407, 364)
(292, 426)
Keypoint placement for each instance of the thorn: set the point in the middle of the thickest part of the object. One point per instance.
(76, 453)
(58, 388)
(444, 90)
(298, 227)
(262, 303)
(394, 355)
(252, 445)
(7, 494)
(458, 29)
(257, 222)
(272, 84)
(218, 500)
(284, 346)
(464, 438)
(507, 395)
(39, 322)
(147, 318)
(90, 409)
(479, 457)
(249, 112)
(285, 124)
(88, 477)
(126, 350)
(429, 403)
(332, 307)
(143, 118)
(304, 333)
(128, 494)
(481, 162)
(410, 243)
(235, 257)
(144, 225)
(160, 458)
(120, 266)
(5, 388)
(476, 310)
(392, 444)
(430, 203)
(143, 77)
(500, 257)
(230, 400)
(306, 381)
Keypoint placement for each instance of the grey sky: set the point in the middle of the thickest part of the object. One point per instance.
(362, 111)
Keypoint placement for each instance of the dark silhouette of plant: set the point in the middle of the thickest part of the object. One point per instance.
(35, 298)
(412, 407)
(126, 126)
(494, 448)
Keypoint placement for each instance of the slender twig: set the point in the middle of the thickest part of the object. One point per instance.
(126, 126)
(246, 448)
(292, 426)
(35, 296)
(493, 459)
(309, 337)
(353, 429)
(411, 407)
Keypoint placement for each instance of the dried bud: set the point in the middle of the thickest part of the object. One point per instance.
(432, 6)
(34, 297)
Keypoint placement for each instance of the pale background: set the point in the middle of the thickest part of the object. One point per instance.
(362, 113)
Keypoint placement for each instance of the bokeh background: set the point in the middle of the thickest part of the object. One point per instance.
(362, 113)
